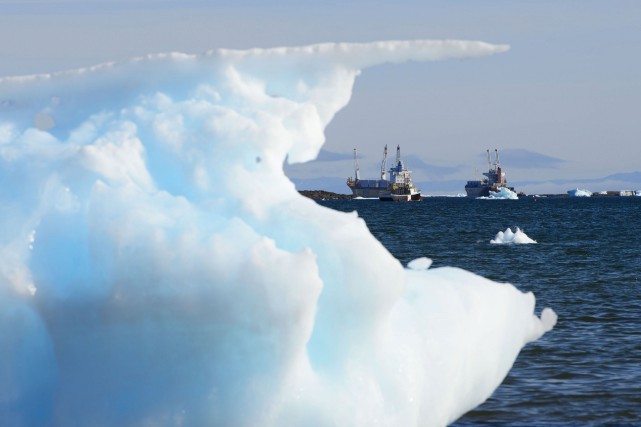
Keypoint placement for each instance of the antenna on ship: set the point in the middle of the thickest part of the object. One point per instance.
(357, 171)
(384, 165)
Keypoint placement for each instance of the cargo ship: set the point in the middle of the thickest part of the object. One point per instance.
(368, 188)
(398, 188)
(494, 179)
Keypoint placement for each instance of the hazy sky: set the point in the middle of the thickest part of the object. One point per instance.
(563, 105)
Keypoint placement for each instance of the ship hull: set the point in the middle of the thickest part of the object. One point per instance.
(369, 188)
(477, 191)
(415, 197)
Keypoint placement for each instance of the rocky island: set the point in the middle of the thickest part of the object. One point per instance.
(325, 195)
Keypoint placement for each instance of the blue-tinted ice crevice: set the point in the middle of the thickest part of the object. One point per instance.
(158, 268)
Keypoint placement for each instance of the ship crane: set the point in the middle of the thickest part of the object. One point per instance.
(384, 165)
(357, 171)
(489, 162)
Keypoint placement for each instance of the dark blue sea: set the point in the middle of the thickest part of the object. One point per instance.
(586, 266)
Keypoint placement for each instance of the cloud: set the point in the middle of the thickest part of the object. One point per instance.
(624, 177)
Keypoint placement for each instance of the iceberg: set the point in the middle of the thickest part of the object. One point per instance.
(512, 237)
(158, 268)
(579, 193)
(503, 194)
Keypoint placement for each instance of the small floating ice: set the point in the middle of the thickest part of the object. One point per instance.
(509, 237)
(419, 264)
(579, 193)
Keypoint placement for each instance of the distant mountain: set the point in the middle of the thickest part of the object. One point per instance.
(518, 158)
(330, 156)
(613, 182)
(625, 176)
(437, 179)
(628, 177)
(415, 164)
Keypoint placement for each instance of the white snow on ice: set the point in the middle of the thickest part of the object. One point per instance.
(512, 237)
(158, 268)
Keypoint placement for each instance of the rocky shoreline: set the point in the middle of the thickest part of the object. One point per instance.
(325, 195)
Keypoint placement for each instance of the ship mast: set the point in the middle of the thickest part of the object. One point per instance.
(398, 154)
(357, 171)
(384, 165)
(489, 162)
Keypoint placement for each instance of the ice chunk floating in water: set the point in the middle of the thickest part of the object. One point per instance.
(509, 236)
(579, 193)
(503, 193)
(158, 268)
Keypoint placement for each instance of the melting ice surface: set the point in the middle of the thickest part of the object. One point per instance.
(579, 193)
(158, 268)
(512, 237)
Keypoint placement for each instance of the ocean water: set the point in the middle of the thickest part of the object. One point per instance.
(586, 266)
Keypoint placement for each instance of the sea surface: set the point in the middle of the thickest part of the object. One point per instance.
(586, 266)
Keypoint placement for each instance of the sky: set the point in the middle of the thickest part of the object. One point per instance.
(562, 106)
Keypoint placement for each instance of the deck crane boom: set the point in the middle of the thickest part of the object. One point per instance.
(357, 171)
(384, 165)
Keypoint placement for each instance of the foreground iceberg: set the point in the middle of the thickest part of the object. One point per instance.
(158, 268)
